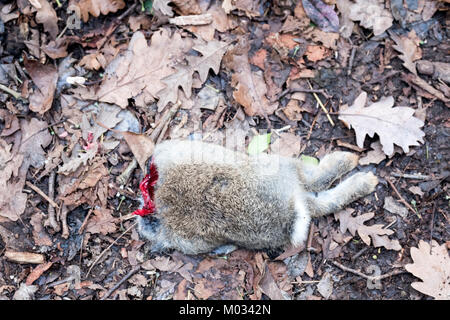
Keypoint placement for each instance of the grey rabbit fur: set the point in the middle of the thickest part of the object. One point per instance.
(208, 197)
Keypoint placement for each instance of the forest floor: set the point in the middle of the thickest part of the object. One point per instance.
(76, 82)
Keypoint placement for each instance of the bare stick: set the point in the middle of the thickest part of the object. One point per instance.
(193, 20)
(359, 253)
(42, 194)
(312, 125)
(370, 278)
(167, 116)
(125, 175)
(118, 284)
(114, 242)
(402, 200)
(51, 209)
(322, 106)
(15, 94)
(352, 57)
(417, 176)
(83, 225)
(63, 215)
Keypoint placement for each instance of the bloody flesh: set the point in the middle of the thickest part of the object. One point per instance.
(148, 192)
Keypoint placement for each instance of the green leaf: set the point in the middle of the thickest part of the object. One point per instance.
(259, 143)
(147, 5)
(309, 160)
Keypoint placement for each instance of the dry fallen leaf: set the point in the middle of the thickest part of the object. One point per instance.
(251, 8)
(45, 78)
(211, 56)
(12, 199)
(37, 272)
(250, 87)
(270, 288)
(141, 145)
(393, 125)
(95, 7)
(47, 16)
(376, 155)
(322, 15)
(376, 231)
(25, 292)
(316, 53)
(40, 236)
(128, 75)
(35, 137)
(394, 207)
(287, 145)
(346, 24)
(163, 7)
(372, 15)
(101, 222)
(187, 7)
(409, 47)
(220, 279)
(432, 266)
(325, 285)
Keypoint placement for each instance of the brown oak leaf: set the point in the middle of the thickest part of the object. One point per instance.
(375, 232)
(47, 16)
(432, 266)
(129, 75)
(95, 7)
(409, 47)
(250, 87)
(393, 125)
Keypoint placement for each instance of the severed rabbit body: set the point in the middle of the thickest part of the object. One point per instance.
(204, 196)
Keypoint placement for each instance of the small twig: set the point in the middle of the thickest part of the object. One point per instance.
(305, 282)
(416, 176)
(359, 253)
(63, 217)
(13, 93)
(125, 175)
(83, 225)
(42, 194)
(278, 131)
(192, 20)
(350, 64)
(62, 32)
(163, 132)
(103, 252)
(401, 199)
(321, 105)
(432, 221)
(370, 278)
(51, 209)
(118, 284)
(166, 117)
(312, 125)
